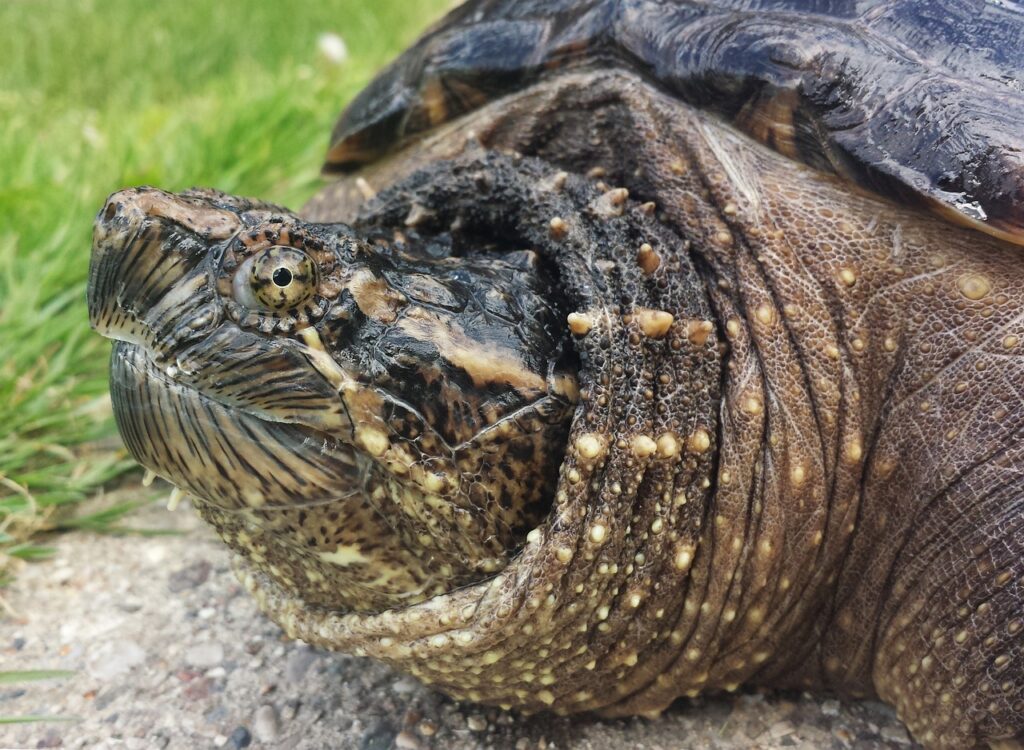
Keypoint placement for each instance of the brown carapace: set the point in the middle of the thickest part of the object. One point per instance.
(648, 349)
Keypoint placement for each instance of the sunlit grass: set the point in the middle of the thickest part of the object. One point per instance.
(95, 96)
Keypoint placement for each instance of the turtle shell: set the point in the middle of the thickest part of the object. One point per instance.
(920, 100)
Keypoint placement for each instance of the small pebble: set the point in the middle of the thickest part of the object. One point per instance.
(298, 664)
(265, 724)
(404, 685)
(427, 728)
(239, 738)
(205, 655)
(407, 741)
(113, 660)
(895, 733)
(189, 577)
(291, 709)
(830, 708)
(476, 723)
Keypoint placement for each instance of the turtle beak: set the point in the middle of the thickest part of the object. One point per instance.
(149, 282)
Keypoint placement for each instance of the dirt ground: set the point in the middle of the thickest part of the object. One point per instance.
(169, 652)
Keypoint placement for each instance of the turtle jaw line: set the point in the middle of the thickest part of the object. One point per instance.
(139, 367)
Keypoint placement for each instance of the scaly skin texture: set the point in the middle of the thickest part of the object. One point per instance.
(796, 456)
(865, 526)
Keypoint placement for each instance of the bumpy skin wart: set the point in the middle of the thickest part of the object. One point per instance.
(795, 458)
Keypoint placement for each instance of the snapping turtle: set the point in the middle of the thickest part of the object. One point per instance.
(645, 348)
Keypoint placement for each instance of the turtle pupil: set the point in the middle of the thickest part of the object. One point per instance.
(282, 276)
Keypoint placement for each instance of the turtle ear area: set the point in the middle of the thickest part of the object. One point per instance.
(478, 53)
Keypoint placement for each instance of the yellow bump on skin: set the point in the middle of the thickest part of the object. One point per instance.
(765, 314)
(889, 344)
(729, 209)
(732, 327)
(590, 445)
(657, 525)
(832, 351)
(677, 167)
(654, 323)
(559, 180)
(617, 196)
(683, 558)
(558, 227)
(602, 612)
(373, 440)
(648, 259)
(699, 441)
(598, 533)
(579, 323)
(534, 537)
(974, 286)
(546, 696)
(574, 476)
(667, 445)
(1010, 342)
(847, 276)
(723, 237)
(693, 654)
(564, 555)
(643, 446)
(798, 474)
(752, 404)
(634, 600)
(698, 331)
(854, 451)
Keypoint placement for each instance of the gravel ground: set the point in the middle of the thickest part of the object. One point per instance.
(169, 652)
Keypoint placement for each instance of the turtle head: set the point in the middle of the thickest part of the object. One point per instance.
(369, 419)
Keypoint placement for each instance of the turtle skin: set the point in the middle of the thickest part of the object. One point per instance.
(777, 429)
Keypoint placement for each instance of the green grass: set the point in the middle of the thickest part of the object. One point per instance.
(100, 94)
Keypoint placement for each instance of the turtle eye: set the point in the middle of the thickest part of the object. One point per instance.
(277, 278)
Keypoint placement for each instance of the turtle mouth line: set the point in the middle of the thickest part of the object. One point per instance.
(176, 431)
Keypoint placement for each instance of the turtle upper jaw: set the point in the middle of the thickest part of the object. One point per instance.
(149, 281)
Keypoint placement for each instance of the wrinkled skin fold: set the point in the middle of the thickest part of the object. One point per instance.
(807, 475)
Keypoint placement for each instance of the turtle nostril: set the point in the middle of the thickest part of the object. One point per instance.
(111, 211)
